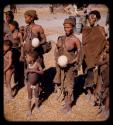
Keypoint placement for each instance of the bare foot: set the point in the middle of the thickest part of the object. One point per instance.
(29, 113)
(65, 110)
(38, 109)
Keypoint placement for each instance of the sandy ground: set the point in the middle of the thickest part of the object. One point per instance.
(15, 110)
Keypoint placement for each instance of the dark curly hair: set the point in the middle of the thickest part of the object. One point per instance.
(97, 13)
(33, 54)
(8, 43)
(15, 23)
(10, 13)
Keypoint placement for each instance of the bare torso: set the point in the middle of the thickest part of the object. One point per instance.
(71, 45)
(33, 76)
(17, 39)
(33, 31)
(7, 59)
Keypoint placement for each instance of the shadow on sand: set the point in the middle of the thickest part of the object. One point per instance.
(78, 87)
(18, 78)
(47, 85)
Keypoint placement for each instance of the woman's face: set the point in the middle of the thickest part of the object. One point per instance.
(8, 18)
(92, 19)
(11, 27)
(68, 28)
(6, 47)
(28, 19)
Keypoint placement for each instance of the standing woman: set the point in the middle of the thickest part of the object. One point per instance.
(67, 45)
(33, 30)
(17, 40)
(94, 41)
(9, 17)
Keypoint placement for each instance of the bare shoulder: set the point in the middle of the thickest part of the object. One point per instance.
(9, 53)
(76, 39)
(38, 27)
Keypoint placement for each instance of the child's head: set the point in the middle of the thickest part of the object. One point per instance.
(9, 16)
(13, 25)
(7, 45)
(31, 56)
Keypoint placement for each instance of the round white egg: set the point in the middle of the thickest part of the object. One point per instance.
(62, 61)
(35, 42)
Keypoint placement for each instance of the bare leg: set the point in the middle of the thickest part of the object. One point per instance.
(5, 78)
(37, 92)
(29, 113)
(106, 102)
(67, 106)
(8, 82)
(55, 89)
(88, 94)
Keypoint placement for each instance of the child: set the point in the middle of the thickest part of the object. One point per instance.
(8, 65)
(33, 72)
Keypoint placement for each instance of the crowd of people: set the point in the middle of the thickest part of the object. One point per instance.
(25, 61)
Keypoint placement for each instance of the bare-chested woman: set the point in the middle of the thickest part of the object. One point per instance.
(16, 37)
(69, 46)
(8, 65)
(33, 30)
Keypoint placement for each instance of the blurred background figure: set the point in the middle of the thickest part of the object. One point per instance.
(51, 8)
(13, 8)
(71, 9)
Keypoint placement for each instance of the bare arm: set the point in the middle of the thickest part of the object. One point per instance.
(78, 44)
(56, 51)
(22, 47)
(40, 70)
(56, 54)
(10, 62)
(42, 35)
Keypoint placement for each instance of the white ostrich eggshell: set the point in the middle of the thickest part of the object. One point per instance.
(35, 42)
(62, 61)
